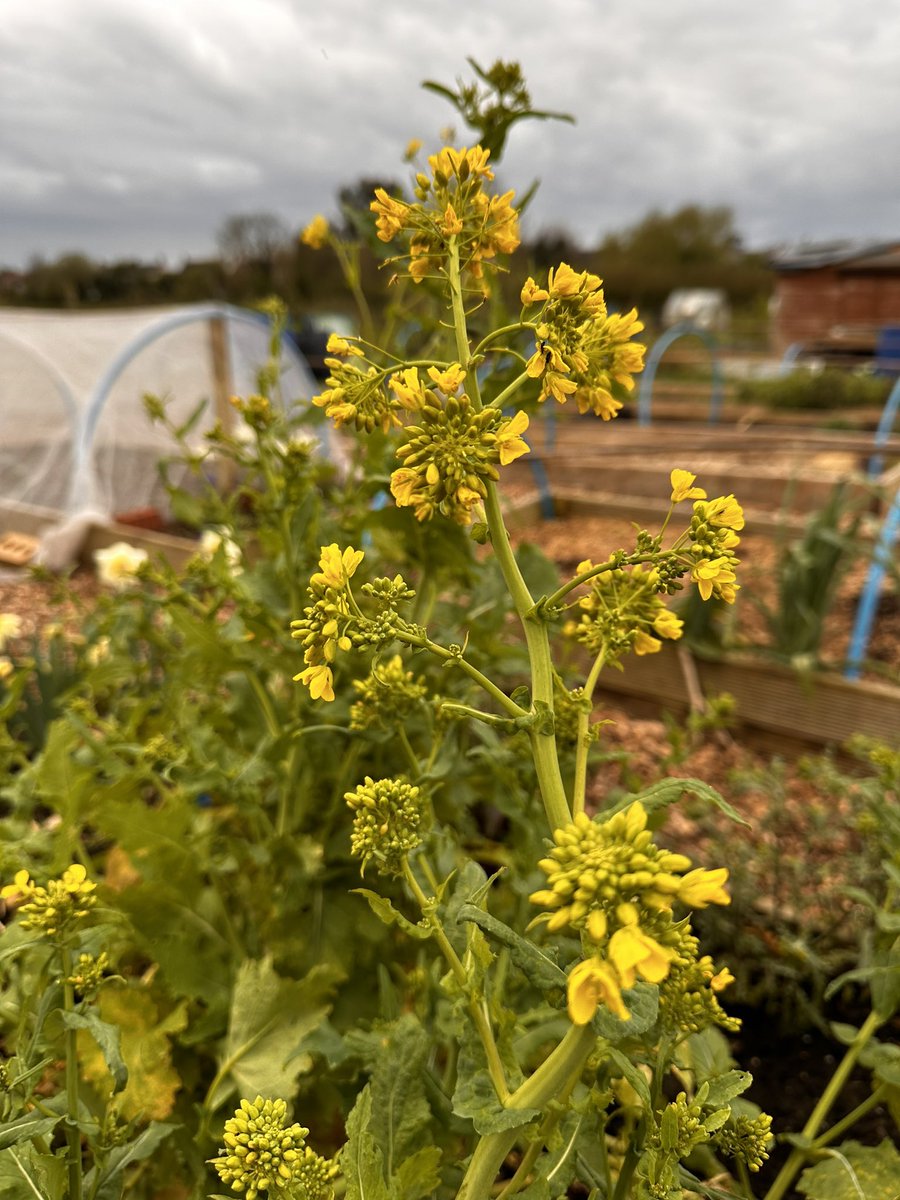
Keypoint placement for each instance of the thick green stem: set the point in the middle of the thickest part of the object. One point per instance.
(73, 1134)
(536, 1092)
(798, 1155)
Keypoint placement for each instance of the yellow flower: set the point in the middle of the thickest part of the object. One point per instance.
(336, 566)
(667, 624)
(408, 389)
(714, 575)
(316, 233)
(319, 680)
(725, 510)
(721, 980)
(449, 380)
(634, 952)
(390, 213)
(451, 224)
(509, 442)
(338, 345)
(10, 627)
(683, 487)
(413, 146)
(404, 483)
(645, 644)
(564, 281)
(592, 983)
(701, 887)
(558, 386)
(6, 667)
(531, 293)
(117, 565)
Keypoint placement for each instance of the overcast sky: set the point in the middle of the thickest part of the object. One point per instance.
(133, 128)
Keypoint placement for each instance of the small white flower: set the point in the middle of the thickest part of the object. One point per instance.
(10, 627)
(212, 539)
(117, 565)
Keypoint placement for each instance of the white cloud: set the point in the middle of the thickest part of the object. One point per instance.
(137, 128)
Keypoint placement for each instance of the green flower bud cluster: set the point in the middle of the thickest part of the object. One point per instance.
(598, 866)
(448, 459)
(389, 814)
(387, 697)
(622, 612)
(358, 396)
(57, 908)
(262, 1153)
(256, 410)
(746, 1138)
(88, 974)
(567, 708)
(689, 995)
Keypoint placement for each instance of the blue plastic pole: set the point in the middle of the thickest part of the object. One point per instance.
(682, 329)
(203, 312)
(871, 593)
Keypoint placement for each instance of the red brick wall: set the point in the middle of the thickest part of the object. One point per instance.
(808, 304)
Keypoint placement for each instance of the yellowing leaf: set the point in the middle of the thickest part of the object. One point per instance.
(152, 1080)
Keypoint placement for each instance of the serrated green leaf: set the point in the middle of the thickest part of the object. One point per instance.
(385, 911)
(642, 1001)
(362, 1163)
(475, 1096)
(709, 1054)
(107, 1038)
(854, 1172)
(669, 791)
(539, 968)
(400, 1111)
(269, 1018)
(418, 1175)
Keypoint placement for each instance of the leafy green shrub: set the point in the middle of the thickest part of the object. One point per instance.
(826, 390)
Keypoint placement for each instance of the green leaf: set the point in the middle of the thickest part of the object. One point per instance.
(884, 1059)
(540, 969)
(25, 1174)
(854, 1172)
(400, 1112)
(709, 1054)
(642, 1001)
(725, 1087)
(362, 1163)
(385, 911)
(475, 1096)
(108, 1185)
(23, 1129)
(669, 791)
(418, 1175)
(107, 1038)
(628, 1070)
(269, 1018)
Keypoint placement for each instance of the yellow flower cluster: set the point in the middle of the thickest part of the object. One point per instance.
(452, 452)
(451, 207)
(322, 628)
(263, 1154)
(713, 532)
(623, 611)
(581, 350)
(689, 995)
(315, 235)
(355, 393)
(611, 882)
(57, 908)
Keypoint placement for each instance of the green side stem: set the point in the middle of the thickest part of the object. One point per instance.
(582, 746)
(73, 1134)
(476, 1011)
(798, 1155)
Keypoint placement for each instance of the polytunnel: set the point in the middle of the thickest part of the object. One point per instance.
(74, 433)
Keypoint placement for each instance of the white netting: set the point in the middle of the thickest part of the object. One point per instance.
(74, 434)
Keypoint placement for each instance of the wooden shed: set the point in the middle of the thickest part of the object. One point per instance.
(835, 297)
